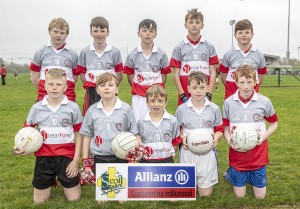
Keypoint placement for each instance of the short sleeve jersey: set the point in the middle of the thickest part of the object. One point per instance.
(102, 127)
(252, 114)
(147, 70)
(47, 58)
(93, 64)
(57, 126)
(159, 139)
(234, 58)
(188, 57)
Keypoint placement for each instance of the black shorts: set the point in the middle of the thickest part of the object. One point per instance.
(48, 167)
(90, 98)
(166, 160)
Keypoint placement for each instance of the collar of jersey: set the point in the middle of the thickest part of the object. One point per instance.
(108, 47)
(118, 104)
(236, 96)
(65, 47)
(165, 116)
(190, 104)
(140, 49)
(45, 102)
(186, 41)
(237, 48)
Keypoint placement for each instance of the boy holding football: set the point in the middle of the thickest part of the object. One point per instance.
(145, 66)
(200, 113)
(59, 121)
(158, 130)
(194, 53)
(247, 107)
(243, 53)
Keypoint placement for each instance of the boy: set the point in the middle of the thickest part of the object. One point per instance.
(250, 108)
(3, 74)
(243, 53)
(145, 66)
(97, 58)
(159, 130)
(56, 54)
(194, 53)
(58, 120)
(200, 113)
(102, 122)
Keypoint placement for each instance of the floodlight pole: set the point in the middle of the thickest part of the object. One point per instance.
(231, 22)
(288, 37)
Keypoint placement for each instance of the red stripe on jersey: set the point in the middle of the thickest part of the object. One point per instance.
(128, 70)
(166, 70)
(272, 119)
(219, 128)
(76, 71)
(176, 141)
(67, 150)
(29, 125)
(119, 67)
(175, 63)
(262, 70)
(76, 127)
(141, 90)
(213, 60)
(223, 69)
(194, 42)
(34, 67)
(226, 122)
(89, 84)
(81, 69)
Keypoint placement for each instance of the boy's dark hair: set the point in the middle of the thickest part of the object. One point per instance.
(246, 71)
(99, 22)
(194, 14)
(243, 25)
(197, 76)
(148, 23)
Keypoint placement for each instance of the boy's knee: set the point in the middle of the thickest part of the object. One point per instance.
(260, 196)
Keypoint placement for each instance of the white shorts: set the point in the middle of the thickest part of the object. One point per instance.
(206, 166)
(139, 107)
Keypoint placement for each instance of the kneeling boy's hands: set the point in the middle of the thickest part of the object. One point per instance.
(16, 151)
(72, 169)
(86, 173)
(135, 155)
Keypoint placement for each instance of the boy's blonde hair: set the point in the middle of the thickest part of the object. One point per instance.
(59, 23)
(105, 77)
(246, 71)
(194, 14)
(243, 25)
(99, 22)
(157, 90)
(56, 73)
(197, 76)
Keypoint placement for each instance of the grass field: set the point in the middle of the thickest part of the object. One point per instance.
(283, 172)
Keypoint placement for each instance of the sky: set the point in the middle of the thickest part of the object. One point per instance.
(24, 24)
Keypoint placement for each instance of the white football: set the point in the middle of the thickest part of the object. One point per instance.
(245, 138)
(200, 141)
(123, 143)
(28, 139)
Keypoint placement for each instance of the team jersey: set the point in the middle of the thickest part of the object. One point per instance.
(47, 58)
(159, 138)
(57, 126)
(234, 58)
(189, 57)
(102, 127)
(252, 114)
(93, 64)
(147, 70)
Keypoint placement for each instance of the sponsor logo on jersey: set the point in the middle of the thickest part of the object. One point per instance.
(44, 134)
(233, 75)
(167, 136)
(91, 76)
(65, 122)
(140, 78)
(68, 63)
(257, 118)
(55, 135)
(98, 141)
(148, 151)
(186, 68)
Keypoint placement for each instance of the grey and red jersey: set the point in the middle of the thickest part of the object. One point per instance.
(252, 114)
(208, 118)
(234, 58)
(93, 64)
(159, 138)
(47, 58)
(57, 126)
(147, 70)
(102, 127)
(189, 57)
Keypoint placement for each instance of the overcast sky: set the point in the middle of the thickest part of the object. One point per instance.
(24, 23)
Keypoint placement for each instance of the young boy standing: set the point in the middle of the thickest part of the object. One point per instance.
(194, 53)
(243, 53)
(55, 54)
(159, 130)
(59, 121)
(247, 107)
(200, 113)
(145, 66)
(97, 58)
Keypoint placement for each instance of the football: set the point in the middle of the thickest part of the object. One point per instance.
(200, 141)
(28, 139)
(245, 138)
(123, 143)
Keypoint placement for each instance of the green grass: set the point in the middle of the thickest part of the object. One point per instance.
(283, 172)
